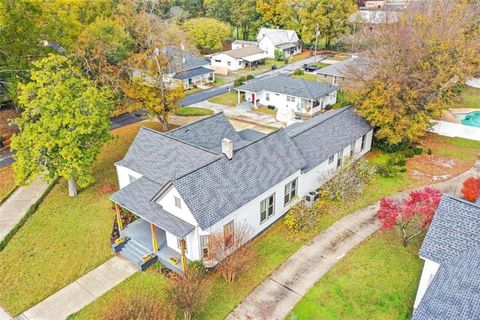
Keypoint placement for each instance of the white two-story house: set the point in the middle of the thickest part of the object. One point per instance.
(286, 41)
(206, 178)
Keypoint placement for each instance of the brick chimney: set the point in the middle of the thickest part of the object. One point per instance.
(227, 148)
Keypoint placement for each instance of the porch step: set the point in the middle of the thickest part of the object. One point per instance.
(134, 251)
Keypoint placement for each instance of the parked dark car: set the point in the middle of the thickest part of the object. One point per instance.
(311, 68)
(274, 66)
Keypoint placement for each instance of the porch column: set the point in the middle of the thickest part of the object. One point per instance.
(119, 217)
(184, 257)
(154, 237)
(239, 97)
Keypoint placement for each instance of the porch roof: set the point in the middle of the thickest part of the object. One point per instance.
(183, 75)
(138, 198)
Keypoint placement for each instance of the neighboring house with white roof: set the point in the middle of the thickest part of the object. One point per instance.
(206, 178)
(283, 92)
(449, 287)
(186, 67)
(237, 59)
(286, 41)
(346, 70)
(237, 44)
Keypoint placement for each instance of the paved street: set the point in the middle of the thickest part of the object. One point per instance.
(209, 93)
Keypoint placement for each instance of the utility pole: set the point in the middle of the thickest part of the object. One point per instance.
(317, 33)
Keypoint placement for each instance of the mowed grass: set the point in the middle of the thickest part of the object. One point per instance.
(66, 237)
(306, 76)
(455, 148)
(377, 280)
(469, 98)
(193, 112)
(273, 247)
(227, 99)
(7, 181)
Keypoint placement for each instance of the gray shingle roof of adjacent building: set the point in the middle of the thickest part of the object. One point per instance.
(455, 229)
(243, 52)
(349, 68)
(291, 86)
(454, 293)
(181, 60)
(326, 134)
(162, 158)
(218, 189)
(138, 197)
(207, 133)
(192, 73)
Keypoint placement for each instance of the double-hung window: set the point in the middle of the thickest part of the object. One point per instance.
(267, 208)
(228, 234)
(290, 191)
(330, 160)
(205, 247)
(340, 158)
(267, 96)
(178, 202)
(364, 141)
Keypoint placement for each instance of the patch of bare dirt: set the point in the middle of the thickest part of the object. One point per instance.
(428, 169)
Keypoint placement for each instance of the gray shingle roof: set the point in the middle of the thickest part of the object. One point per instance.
(192, 73)
(324, 135)
(162, 158)
(454, 230)
(218, 189)
(243, 52)
(292, 86)
(138, 197)
(251, 135)
(181, 60)
(455, 290)
(348, 68)
(208, 133)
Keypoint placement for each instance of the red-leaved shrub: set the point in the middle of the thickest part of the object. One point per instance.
(471, 189)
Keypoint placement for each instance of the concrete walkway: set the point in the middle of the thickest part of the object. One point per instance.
(278, 294)
(15, 207)
(82, 292)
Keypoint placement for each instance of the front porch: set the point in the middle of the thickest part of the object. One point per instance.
(141, 232)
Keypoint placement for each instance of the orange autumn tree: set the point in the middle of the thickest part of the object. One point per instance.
(471, 189)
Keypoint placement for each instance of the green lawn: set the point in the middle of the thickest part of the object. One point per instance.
(273, 247)
(193, 112)
(265, 110)
(267, 66)
(306, 76)
(68, 237)
(227, 99)
(342, 100)
(377, 280)
(7, 182)
(469, 98)
(65, 238)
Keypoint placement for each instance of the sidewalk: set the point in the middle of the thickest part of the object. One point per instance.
(15, 207)
(81, 292)
(278, 294)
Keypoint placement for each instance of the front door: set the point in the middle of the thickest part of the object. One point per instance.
(253, 97)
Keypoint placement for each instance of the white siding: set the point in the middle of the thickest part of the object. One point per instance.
(430, 268)
(267, 45)
(223, 60)
(250, 212)
(124, 175)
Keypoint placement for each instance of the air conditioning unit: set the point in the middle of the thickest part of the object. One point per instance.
(310, 199)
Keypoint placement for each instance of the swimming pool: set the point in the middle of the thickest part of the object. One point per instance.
(469, 119)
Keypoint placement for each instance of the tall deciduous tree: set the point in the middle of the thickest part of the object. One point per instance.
(274, 12)
(415, 66)
(207, 33)
(329, 17)
(64, 124)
